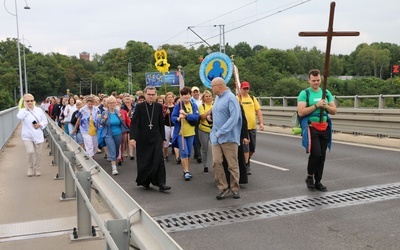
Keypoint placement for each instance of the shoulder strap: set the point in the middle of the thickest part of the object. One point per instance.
(307, 96)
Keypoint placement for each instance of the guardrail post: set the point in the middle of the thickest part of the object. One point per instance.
(84, 229)
(381, 102)
(284, 102)
(356, 102)
(69, 192)
(271, 102)
(60, 161)
(53, 149)
(120, 232)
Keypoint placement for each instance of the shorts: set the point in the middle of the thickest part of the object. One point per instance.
(251, 147)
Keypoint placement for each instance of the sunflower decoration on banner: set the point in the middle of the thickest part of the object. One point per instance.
(161, 64)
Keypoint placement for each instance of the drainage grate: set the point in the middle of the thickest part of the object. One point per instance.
(262, 210)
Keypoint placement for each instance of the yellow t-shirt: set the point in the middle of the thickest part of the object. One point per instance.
(204, 125)
(250, 106)
(188, 130)
(92, 129)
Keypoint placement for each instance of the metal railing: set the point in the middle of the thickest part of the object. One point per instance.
(8, 124)
(132, 225)
(284, 101)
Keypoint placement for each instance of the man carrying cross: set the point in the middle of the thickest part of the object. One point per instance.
(317, 136)
(313, 105)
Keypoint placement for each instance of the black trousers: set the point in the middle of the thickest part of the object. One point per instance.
(316, 160)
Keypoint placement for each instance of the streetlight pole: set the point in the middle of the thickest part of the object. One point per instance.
(25, 75)
(21, 90)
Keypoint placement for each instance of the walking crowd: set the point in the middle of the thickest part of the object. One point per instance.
(156, 128)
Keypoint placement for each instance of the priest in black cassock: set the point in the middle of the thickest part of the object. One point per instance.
(147, 135)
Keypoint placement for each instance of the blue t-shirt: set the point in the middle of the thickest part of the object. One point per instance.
(115, 124)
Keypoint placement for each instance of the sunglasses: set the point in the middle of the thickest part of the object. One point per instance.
(245, 88)
(29, 100)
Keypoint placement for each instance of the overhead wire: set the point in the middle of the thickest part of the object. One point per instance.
(200, 25)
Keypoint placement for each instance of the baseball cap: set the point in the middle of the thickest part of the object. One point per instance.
(245, 85)
(195, 88)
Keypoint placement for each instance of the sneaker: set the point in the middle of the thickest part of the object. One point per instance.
(236, 194)
(310, 183)
(30, 172)
(37, 173)
(187, 176)
(320, 187)
(199, 160)
(99, 151)
(166, 159)
(132, 157)
(105, 156)
(115, 171)
(222, 194)
(119, 162)
(178, 160)
(206, 171)
(248, 169)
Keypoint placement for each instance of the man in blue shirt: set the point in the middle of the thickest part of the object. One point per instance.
(225, 137)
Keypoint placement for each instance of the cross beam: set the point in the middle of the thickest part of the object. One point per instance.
(329, 34)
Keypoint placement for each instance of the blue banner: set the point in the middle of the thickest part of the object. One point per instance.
(157, 79)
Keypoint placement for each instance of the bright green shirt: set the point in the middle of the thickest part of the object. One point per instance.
(313, 99)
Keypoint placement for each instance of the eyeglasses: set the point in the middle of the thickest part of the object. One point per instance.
(29, 100)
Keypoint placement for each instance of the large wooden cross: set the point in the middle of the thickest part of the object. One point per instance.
(329, 34)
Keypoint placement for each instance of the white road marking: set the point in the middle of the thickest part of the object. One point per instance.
(269, 165)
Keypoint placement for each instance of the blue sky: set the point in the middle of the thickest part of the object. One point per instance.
(70, 27)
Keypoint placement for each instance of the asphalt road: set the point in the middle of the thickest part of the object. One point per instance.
(279, 170)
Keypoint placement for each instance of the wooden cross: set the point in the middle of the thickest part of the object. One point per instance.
(329, 34)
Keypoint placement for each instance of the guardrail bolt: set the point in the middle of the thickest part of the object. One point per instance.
(75, 233)
(93, 231)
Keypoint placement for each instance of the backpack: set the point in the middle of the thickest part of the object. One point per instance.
(296, 119)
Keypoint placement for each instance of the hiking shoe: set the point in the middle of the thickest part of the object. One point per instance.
(248, 169)
(236, 195)
(222, 194)
(178, 160)
(310, 183)
(320, 187)
(187, 176)
(206, 171)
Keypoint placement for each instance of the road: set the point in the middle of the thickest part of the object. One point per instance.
(279, 170)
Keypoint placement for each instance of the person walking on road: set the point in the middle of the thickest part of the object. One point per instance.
(252, 109)
(147, 135)
(114, 125)
(317, 135)
(33, 122)
(205, 127)
(225, 137)
(185, 116)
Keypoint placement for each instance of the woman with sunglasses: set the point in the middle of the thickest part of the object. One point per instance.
(33, 120)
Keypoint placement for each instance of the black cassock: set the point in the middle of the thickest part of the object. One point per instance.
(147, 128)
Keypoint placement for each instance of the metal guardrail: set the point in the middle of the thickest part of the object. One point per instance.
(373, 122)
(8, 124)
(356, 99)
(132, 225)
